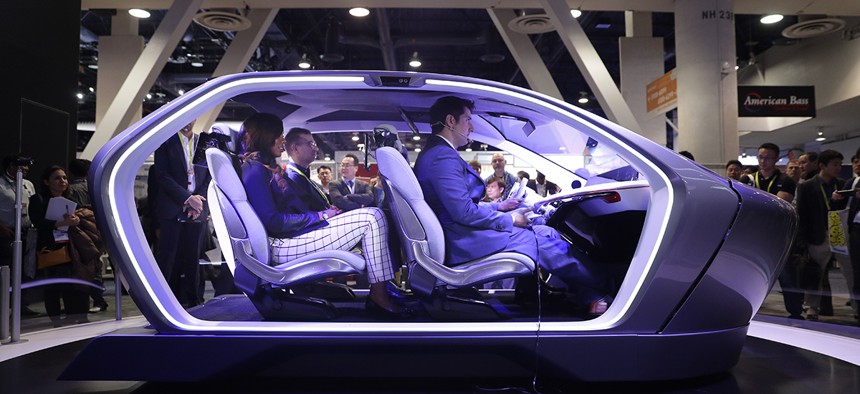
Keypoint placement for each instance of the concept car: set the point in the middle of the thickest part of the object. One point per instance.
(695, 254)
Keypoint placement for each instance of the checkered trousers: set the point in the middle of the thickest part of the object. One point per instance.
(344, 231)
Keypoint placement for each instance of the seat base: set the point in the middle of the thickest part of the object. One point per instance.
(327, 290)
(459, 305)
(280, 305)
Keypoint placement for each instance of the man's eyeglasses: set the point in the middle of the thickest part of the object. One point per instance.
(312, 144)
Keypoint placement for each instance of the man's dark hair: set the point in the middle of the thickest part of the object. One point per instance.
(448, 105)
(292, 136)
(323, 168)
(353, 157)
(827, 156)
(8, 160)
(771, 147)
(263, 129)
(79, 168)
(811, 156)
(687, 155)
(523, 174)
(500, 181)
(735, 162)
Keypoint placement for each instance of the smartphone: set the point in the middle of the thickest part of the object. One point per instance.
(847, 192)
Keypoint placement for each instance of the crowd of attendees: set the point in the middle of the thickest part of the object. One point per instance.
(828, 234)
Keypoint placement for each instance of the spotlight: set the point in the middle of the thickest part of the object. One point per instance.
(583, 98)
(576, 13)
(149, 96)
(819, 139)
(414, 62)
(355, 138)
(416, 137)
(92, 89)
(770, 19)
(139, 13)
(80, 96)
(304, 63)
(181, 92)
(468, 149)
(196, 64)
(93, 66)
(417, 149)
(359, 12)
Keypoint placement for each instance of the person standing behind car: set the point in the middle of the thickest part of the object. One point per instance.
(815, 198)
(769, 179)
(350, 193)
(53, 235)
(854, 236)
(499, 162)
(181, 214)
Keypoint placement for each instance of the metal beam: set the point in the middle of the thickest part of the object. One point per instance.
(531, 65)
(238, 54)
(385, 42)
(144, 73)
(589, 63)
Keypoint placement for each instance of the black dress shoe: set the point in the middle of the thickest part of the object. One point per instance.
(374, 309)
(397, 293)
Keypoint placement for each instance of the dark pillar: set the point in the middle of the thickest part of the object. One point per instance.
(40, 40)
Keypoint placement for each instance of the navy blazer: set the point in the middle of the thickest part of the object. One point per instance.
(284, 213)
(453, 189)
(343, 199)
(171, 176)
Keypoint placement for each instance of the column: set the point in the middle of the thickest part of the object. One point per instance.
(641, 58)
(707, 81)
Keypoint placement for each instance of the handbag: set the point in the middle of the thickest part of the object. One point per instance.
(838, 230)
(49, 258)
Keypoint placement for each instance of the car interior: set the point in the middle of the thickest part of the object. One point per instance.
(600, 210)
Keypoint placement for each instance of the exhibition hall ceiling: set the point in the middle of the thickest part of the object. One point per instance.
(451, 37)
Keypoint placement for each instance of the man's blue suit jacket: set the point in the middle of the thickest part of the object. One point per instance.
(452, 190)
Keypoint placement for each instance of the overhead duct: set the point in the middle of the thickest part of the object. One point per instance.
(531, 22)
(813, 28)
(222, 20)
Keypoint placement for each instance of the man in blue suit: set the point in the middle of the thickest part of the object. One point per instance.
(452, 189)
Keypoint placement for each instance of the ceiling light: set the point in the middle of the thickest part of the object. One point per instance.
(327, 158)
(149, 96)
(181, 92)
(80, 96)
(820, 133)
(468, 149)
(772, 18)
(819, 139)
(93, 66)
(576, 13)
(304, 63)
(196, 64)
(92, 89)
(359, 12)
(583, 98)
(418, 149)
(416, 137)
(355, 138)
(139, 13)
(414, 62)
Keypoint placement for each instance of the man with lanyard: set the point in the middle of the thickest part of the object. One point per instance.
(854, 237)
(815, 198)
(181, 214)
(771, 180)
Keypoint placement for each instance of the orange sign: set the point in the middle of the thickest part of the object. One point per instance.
(662, 94)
